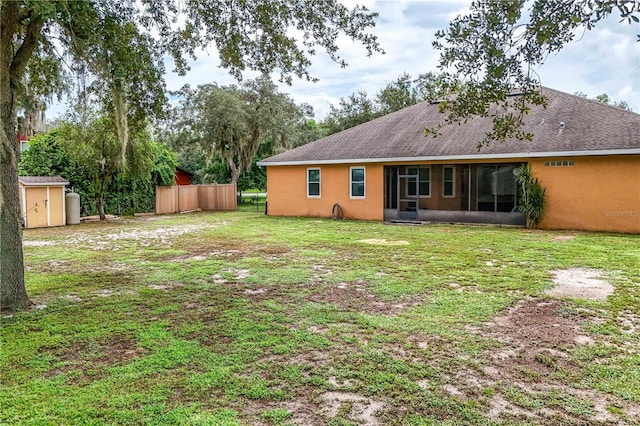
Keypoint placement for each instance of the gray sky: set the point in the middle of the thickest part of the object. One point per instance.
(604, 60)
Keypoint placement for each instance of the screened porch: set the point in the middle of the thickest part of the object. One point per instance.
(472, 193)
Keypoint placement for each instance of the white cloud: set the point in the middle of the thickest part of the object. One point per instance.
(604, 60)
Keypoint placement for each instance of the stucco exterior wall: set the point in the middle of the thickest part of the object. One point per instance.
(287, 192)
(595, 193)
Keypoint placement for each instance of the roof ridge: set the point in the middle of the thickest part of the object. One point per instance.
(592, 101)
(590, 128)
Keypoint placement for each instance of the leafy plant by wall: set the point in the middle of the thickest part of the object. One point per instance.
(532, 202)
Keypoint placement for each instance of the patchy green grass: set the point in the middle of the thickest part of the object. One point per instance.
(240, 318)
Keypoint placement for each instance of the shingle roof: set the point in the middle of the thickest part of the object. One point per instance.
(42, 180)
(589, 128)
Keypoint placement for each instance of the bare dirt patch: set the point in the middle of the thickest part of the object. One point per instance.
(564, 238)
(534, 361)
(165, 287)
(91, 356)
(36, 243)
(354, 296)
(159, 237)
(71, 298)
(105, 292)
(629, 322)
(352, 406)
(384, 242)
(580, 283)
(234, 275)
(535, 322)
(229, 250)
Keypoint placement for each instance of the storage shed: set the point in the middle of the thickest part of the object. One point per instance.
(42, 201)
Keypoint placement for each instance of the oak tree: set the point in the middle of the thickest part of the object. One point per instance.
(118, 48)
(233, 122)
(491, 52)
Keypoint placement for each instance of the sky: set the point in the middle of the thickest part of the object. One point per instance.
(604, 60)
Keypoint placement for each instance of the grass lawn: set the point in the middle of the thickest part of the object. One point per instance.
(240, 318)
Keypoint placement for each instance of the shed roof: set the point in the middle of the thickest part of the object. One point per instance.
(590, 128)
(42, 181)
(180, 169)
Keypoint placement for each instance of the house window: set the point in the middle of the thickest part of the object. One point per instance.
(420, 186)
(356, 181)
(24, 145)
(448, 181)
(313, 183)
(424, 181)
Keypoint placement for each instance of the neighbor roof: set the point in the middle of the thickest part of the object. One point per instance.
(590, 128)
(42, 180)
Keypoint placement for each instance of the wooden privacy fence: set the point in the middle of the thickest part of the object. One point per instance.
(182, 198)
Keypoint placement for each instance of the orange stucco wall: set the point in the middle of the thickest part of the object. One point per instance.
(287, 192)
(595, 193)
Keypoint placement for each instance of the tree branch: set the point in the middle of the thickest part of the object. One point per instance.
(24, 52)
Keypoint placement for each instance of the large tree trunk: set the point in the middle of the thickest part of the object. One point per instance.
(100, 198)
(235, 170)
(13, 294)
(13, 62)
(100, 203)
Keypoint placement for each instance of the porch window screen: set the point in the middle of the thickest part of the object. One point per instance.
(424, 178)
(448, 177)
(423, 184)
(357, 182)
(313, 183)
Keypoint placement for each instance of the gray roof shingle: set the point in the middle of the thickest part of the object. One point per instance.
(42, 180)
(589, 127)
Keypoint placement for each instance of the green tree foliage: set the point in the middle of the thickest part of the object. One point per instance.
(116, 51)
(405, 91)
(45, 157)
(232, 123)
(95, 146)
(356, 109)
(603, 98)
(308, 131)
(493, 49)
(53, 154)
(163, 172)
(217, 170)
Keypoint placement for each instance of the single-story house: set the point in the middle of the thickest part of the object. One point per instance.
(586, 155)
(42, 201)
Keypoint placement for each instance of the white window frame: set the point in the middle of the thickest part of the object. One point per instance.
(418, 195)
(418, 188)
(453, 182)
(364, 182)
(319, 182)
